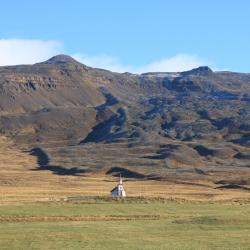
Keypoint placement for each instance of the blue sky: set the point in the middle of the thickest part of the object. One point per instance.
(136, 36)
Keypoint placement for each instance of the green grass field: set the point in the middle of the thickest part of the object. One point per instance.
(129, 224)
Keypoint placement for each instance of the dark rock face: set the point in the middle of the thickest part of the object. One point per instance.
(60, 59)
(65, 105)
(202, 71)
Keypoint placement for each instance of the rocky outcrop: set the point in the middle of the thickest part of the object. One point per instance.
(62, 103)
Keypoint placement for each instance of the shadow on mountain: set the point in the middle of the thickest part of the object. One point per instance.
(239, 182)
(110, 101)
(43, 164)
(204, 151)
(42, 157)
(244, 140)
(103, 131)
(126, 173)
(116, 171)
(158, 156)
(233, 186)
(242, 156)
(200, 171)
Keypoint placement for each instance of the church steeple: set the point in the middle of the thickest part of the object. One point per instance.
(120, 179)
(118, 191)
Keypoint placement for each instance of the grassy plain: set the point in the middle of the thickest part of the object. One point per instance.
(21, 181)
(185, 215)
(133, 223)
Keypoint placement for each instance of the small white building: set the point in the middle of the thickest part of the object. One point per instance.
(118, 191)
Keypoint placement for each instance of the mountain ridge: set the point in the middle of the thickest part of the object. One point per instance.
(166, 123)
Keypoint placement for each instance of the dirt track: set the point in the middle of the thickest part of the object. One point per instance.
(76, 218)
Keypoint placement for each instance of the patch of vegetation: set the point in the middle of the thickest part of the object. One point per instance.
(134, 223)
(205, 220)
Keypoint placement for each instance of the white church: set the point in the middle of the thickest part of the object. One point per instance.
(119, 190)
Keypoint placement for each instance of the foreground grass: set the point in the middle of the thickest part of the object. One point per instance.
(108, 224)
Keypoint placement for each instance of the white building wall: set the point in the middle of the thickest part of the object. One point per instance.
(118, 191)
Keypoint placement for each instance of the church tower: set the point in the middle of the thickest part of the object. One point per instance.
(119, 190)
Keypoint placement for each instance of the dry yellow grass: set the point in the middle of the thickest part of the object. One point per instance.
(19, 182)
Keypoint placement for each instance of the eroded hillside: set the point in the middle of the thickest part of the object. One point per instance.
(75, 120)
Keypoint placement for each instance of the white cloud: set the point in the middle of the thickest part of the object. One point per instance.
(25, 51)
(22, 51)
(104, 62)
(180, 62)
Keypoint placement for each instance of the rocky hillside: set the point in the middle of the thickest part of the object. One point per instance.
(74, 118)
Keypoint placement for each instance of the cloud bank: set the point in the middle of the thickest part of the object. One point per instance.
(179, 62)
(21, 51)
(104, 62)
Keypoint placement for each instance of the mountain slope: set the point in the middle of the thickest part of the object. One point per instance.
(193, 124)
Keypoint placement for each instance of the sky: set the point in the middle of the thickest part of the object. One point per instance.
(133, 35)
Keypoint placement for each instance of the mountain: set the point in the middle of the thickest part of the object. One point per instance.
(179, 125)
